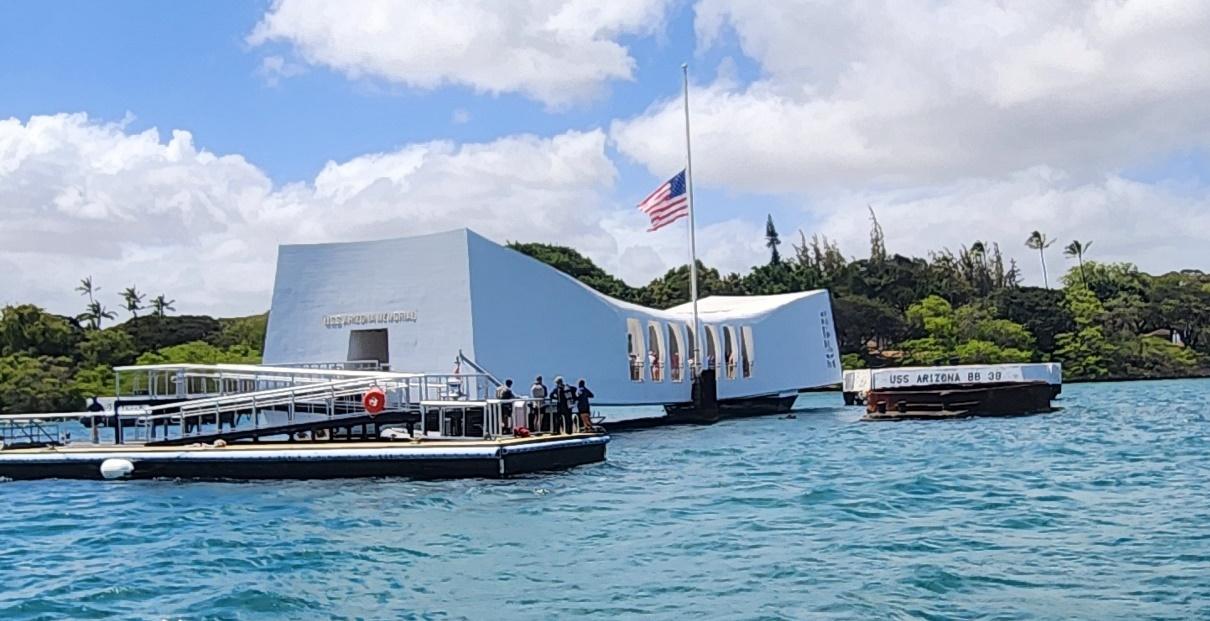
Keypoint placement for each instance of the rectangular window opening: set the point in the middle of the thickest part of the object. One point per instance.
(635, 351)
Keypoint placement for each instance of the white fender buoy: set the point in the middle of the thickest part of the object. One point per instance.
(116, 468)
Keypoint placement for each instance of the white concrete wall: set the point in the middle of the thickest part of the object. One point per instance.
(790, 349)
(517, 318)
(531, 319)
(426, 274)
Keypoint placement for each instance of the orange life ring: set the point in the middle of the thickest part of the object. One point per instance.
(374, 400)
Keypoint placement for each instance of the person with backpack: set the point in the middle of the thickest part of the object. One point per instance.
(537, 408)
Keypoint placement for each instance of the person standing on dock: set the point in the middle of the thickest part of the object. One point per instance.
(563, 396)
(95, 422)
(505, 393)
(583, 394)
(538, 392)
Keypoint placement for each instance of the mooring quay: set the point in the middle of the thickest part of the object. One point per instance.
(263, 422)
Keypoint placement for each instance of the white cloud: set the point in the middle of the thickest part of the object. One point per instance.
(638, 255)
(956, 121)
(81, 197)
(273, 68)
(553, 51)
(918, 92)
(1160, 227)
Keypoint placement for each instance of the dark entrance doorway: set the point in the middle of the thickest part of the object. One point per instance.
(369, 345)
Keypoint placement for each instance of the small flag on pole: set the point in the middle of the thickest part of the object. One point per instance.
(667, 204)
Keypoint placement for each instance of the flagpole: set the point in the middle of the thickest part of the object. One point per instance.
(697, 359)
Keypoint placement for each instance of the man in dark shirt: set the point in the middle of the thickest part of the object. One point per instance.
(505, 394)
(562, 396)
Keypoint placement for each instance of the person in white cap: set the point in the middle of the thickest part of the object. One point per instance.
(538, 407)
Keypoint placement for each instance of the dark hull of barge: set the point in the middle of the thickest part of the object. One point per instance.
(320, 460)
(690, 413)
(959, 401)
(707, 408)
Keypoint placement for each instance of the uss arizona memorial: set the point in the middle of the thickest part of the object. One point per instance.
(414, 303)
(417, 306)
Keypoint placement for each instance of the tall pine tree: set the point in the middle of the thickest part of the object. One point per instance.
(772, 241)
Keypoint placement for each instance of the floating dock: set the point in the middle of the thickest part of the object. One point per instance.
(420, 459)
(259, 422)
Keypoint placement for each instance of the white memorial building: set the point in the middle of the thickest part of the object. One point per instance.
(412, 304)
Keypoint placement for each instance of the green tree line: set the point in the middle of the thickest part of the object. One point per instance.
(1106, 321)
(52, 363)
(964, 306)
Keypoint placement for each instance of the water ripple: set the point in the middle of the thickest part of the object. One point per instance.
(1095, 512)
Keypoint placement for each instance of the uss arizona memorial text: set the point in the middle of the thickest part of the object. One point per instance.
(339, 320)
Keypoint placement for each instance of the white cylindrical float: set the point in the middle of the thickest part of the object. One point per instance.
(116, 468)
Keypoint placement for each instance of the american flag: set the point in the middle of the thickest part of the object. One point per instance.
(668, 203)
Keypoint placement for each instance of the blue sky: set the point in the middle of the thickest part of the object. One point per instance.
(547, 120)
(188, 65)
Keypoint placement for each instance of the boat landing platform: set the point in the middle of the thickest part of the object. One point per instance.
(411, 458)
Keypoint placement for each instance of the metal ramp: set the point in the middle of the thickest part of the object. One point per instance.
(259, 413)
(178, 404)
(185, 404)
(137, 386)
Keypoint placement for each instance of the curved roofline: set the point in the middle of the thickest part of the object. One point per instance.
(379, 240)
(743, 305)
(712, 307)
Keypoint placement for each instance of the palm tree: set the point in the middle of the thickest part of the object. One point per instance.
(95, 313)
(1038, 241)
(159, 304)
(134, 300)
(86, 288)
(1076, 249)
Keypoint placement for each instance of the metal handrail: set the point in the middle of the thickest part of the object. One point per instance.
(242, 397)
(178, 380)
(230, 393)
(51, 416)
(261, 380)
(32, 431)
(474, 365)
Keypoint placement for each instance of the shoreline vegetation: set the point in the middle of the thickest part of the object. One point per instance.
(1105, 322)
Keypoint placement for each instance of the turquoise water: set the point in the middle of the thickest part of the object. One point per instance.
(1100, 511)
